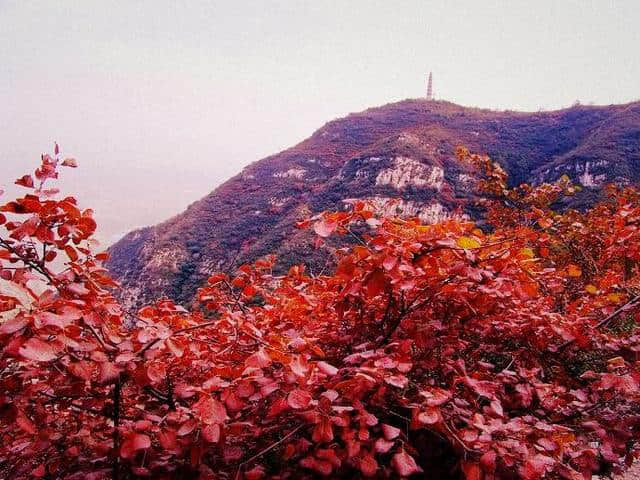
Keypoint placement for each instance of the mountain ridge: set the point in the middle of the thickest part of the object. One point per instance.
(400, 150)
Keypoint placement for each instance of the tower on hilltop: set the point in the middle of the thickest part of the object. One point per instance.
(430, 87)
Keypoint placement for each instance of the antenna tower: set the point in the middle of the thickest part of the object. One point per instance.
(430, 87)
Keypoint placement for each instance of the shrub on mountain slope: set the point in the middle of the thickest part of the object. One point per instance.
(506, 352)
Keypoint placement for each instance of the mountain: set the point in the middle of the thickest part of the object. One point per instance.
(402, 150)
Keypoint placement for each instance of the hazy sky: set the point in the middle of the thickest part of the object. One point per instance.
(161, 101)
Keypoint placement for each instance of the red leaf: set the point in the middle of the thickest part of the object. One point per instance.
(187, 427)
(299, 366)
(496, 407)
(368, 466)
(211, 433)
(430, 416)
(471, 471)
(324, 228)
(488, 461)
(51, 319)
(168, 440)
(323, 431)
(259, 359)
(298, 399)
(26, 181)
(156, 372)
(383, 446)
(87, 225)
(71, 253)
(133, 443)
(436, 396)
(25, 424)
(322, 467)
(399, 381)
(328, 454)
(390, 432)
(376, 283)
(13, 325)
(389, 262)
(535, 468)
(216, 278)
(37, 350)
(327, 369)
(232, 453)
(77, 289)
(256, 473)
(174, 347)
(102, 256)
(82, 369)
(482, 387)
(210, 410)
(404, 464)
(39, 471)
(70, 162)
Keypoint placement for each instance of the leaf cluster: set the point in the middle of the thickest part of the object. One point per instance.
(443, 350)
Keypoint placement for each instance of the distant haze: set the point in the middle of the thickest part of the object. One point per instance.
(161, 101)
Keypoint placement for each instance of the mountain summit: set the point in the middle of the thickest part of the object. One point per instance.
(403, 150)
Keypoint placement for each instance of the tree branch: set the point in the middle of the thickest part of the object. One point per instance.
(605, 320)
(177, 332)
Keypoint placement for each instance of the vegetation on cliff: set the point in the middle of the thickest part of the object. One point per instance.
(405, 151)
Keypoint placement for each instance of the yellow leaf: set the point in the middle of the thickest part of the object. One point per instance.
(563, 438)
(614, 297)
(467, 242)
(574, 271)
(616, 362)
(592, 289)
(527, 252)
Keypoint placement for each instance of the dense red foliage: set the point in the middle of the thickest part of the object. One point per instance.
(506, 352)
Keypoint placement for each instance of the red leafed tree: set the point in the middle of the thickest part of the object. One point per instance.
(443, 351)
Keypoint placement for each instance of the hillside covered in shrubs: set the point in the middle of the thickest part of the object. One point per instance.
(403, 151)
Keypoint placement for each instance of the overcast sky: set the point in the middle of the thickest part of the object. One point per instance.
(161, 101)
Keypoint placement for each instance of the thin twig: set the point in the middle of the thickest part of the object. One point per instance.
(603, 322)
(270, 447)
(177, 332)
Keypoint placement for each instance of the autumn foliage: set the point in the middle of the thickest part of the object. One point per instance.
(495, 351)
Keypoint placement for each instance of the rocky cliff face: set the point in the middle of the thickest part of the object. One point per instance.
(401, 151)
